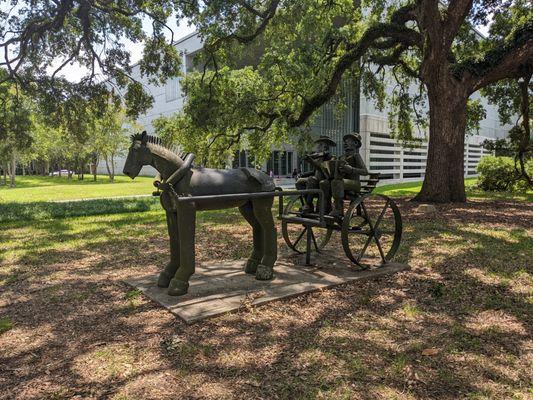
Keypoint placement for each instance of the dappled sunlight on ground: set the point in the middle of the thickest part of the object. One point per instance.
(456, 325)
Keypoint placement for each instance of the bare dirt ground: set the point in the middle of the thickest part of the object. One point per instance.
(457, 325)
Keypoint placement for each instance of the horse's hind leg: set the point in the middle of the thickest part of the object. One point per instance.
(263, 213)
(257, 254)
(168, 273)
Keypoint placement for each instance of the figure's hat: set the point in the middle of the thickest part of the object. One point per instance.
(327, 140)
(355, 136)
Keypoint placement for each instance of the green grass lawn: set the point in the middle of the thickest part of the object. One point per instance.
(40, 198)
(39, 188)
(410, 189)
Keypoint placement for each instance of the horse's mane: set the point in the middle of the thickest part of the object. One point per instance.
(157, 141)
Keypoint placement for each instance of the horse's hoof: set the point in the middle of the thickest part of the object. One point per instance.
(177, 287)
(251, 266)
(264, 273)
(164, 279)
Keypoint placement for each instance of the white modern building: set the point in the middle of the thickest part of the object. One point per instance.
(381, 153)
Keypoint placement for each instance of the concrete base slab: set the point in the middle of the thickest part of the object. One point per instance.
(218, 288)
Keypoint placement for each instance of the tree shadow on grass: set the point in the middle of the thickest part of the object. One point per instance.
(88, 334)
(362, 344)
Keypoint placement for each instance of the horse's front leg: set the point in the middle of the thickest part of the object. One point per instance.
(263, 213)
(168, 273)
(186, 231)
(247, 212)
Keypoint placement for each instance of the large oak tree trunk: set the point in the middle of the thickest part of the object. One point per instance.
(444, 178)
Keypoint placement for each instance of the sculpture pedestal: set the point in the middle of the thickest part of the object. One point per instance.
(220, 287)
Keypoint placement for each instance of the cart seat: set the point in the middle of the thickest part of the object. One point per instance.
(368, 184)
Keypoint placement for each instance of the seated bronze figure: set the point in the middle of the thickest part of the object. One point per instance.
(344, 174)
(318, 175)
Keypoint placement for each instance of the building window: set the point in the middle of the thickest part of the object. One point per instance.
(171, 90)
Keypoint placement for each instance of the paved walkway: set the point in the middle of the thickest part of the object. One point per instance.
(133, 196)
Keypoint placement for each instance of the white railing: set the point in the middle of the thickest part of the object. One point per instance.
(387, 156)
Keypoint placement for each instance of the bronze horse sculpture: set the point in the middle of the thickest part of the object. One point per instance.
(180, 178)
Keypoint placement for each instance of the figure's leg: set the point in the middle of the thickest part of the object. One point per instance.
(257, 253)
(312, 183)
(166, 275)
(337, 191)
(325, 185)
(301, 184)
(263, 213)
(186, 230)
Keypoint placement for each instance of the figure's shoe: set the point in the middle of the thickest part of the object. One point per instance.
(251, 266)
(164, 279)
(177, 287)
(335, 213)
(307, 208)
(264, 273)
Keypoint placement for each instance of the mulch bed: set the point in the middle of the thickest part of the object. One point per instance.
(450, 328)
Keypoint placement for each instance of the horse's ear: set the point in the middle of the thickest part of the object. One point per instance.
(144, 137)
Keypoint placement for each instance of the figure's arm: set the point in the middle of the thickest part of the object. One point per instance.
(314, 162)
(181, 171)
(357, 168)
(360, 167)
(307, 174)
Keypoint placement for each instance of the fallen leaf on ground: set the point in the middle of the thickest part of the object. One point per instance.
(430, 351)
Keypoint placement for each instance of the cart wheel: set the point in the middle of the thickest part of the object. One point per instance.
(371, 230)
(295, 234)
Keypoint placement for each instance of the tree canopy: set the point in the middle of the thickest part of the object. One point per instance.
(293, 56)
(39, 39)
(287, 58)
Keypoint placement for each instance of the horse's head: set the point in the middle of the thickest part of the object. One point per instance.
(139, 155)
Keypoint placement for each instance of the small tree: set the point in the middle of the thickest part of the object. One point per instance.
(111, 131)
(15, 126)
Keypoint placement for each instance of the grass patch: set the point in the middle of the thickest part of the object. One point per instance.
(44, 188)
(46, 210)
(5, 325)
(133, 298)
(410, 189)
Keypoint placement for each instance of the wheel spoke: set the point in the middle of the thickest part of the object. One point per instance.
(379, 248)
(373, 229)
(367, 217)
(314, 240)
(364, 248)
(300, 237)
(378, 221)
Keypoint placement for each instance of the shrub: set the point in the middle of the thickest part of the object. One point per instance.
(499, 174)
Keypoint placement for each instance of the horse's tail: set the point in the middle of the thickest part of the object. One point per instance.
(265, 182)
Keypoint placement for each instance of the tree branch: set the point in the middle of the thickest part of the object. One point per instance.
(456, 14)
(512, 59)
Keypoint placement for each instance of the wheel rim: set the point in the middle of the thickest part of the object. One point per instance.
(371, 230)
(295, 235)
